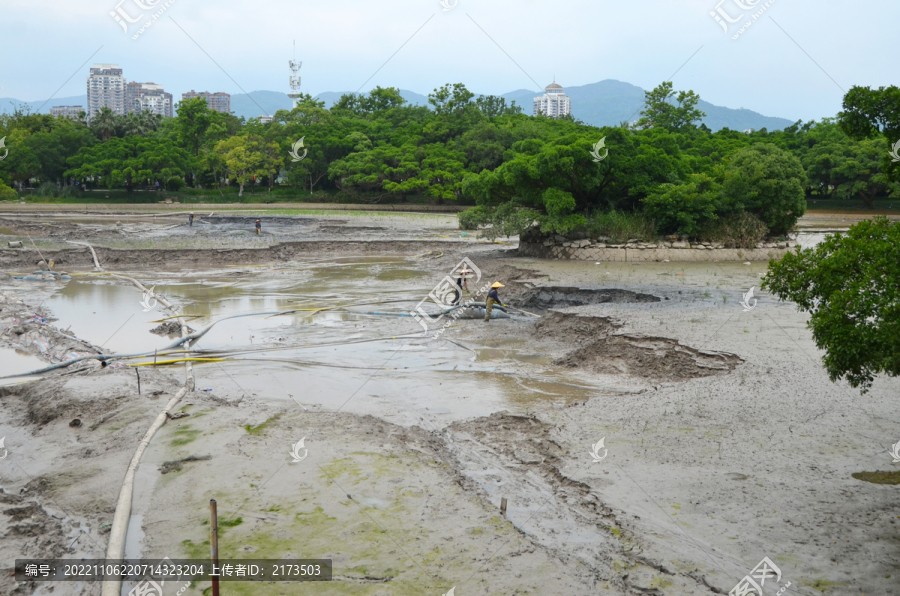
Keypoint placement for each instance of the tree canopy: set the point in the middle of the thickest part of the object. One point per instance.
(850, 285)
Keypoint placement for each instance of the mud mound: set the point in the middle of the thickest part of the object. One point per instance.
(171, 329)
(554, 296)
(556, 325)
(657, 358)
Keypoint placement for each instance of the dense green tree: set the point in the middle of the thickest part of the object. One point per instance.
(660, 111)
(493, 106)
(248, 157)
(129, 162)
(687, 208)
(767, 182)
(870, 112)
(192, 122)
(850, 285)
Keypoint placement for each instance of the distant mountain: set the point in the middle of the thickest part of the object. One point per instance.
(606, 103)
(77, 100)
(610, 102)
(259, 103)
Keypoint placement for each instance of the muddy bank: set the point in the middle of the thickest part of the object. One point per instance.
(78, 257)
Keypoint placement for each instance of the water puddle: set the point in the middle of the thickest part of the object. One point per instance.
(14, 362)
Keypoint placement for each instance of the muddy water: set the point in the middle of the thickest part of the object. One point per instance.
(334, 359)
(13, 362)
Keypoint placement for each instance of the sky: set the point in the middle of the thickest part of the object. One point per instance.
(796, 60)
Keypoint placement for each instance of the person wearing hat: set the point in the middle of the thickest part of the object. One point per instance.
(460, 284)
(492, 298)
(258, 227)
(191, 219)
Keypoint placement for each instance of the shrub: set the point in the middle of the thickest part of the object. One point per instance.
(174, 183)
(620, 226)
(737, 230)
(7, 194)
(46, 189)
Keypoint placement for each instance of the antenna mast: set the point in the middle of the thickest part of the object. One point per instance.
(295, 76)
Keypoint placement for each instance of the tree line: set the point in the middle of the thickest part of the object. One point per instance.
(522, 173)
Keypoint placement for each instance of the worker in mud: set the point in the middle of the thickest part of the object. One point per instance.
(492, 299)
(258, 227)
(191, 219)
(461, 283)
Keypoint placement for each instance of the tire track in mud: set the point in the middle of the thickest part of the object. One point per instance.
(518, 457)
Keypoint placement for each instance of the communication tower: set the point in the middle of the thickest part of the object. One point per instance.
(295, 76)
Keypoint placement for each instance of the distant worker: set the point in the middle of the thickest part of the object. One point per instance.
(258, 227)
(461, 283)
(492, 299)
(191, 219)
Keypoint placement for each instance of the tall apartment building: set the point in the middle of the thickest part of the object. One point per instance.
(66, 111)
(220, 102)
(553, 103)
(148, 97)
(105, 89)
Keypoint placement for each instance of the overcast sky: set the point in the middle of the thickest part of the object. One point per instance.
(782, 65)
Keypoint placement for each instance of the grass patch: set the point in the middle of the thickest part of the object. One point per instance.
(620, 226)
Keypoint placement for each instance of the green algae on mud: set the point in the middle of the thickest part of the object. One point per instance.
(261, 428)
(368, 538)
(878, 477)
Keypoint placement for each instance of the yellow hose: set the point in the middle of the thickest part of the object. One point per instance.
(159, 362)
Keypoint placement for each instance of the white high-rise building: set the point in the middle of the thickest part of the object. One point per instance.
(105, 89)
(553, 103)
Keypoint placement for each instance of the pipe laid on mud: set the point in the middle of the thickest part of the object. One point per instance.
(115, 549)
(96, 262)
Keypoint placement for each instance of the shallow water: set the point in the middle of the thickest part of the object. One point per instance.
(13, 362)
(333, 359)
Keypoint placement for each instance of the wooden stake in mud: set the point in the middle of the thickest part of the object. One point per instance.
(503, 506)
(138, 373)
(214, 544)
